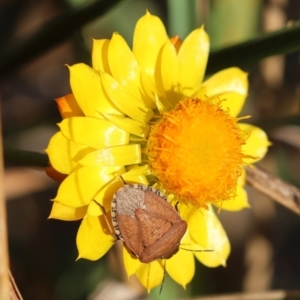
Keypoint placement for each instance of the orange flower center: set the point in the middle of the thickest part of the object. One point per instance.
(195, 152)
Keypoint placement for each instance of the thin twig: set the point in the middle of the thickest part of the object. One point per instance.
(272, 186)
(4, 260)
(268, 295)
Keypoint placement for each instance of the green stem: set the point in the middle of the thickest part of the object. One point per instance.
(51, 34)
(251, 52)
(181, 17)
(25, 158)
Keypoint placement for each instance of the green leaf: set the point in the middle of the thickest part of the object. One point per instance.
(249, 53)
(51, 34)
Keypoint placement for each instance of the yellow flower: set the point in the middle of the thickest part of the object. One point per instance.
(145, 116)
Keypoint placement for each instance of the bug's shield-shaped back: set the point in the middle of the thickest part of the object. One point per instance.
(147, 223)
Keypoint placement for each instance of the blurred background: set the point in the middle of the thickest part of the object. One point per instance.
(265, 239)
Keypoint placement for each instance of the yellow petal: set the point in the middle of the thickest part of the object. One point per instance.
(93, 132)
(131, 179)
(99, 55)
(68, 107)
(131, 263)
(139, 170)
(242, 179)
(101, 203)
(192, 60)
(126, 102)
(225, 81)
(55, 175)
(163, 105)
(196, 223)
(123, 65)
(93, 238)
(81, 186)
(149, 36)
(65, 213)
(169, 73)
(103, 200)
(181, 267)
(256, 145)
(241, 199)
(137, 175)
(176, 41)
(132, 126)
(94, 209)
(88, 92)
(105, 196)
(149, 89)
(231, 101)
(239, 202)
(217, 241)
(150, 275)
(114, 156)
(62, 151)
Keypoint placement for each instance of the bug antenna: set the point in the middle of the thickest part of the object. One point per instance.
(101, 207)
(163, 280)
(106, 219)
(123, 180)
(205, 250)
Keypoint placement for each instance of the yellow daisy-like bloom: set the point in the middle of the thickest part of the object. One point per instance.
(145, 116)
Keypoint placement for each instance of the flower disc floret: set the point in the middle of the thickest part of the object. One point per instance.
(195, 152)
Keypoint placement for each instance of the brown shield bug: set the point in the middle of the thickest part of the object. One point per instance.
(146, 222)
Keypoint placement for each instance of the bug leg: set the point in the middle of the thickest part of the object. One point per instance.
(192, 250)
(123, 180)
(176, 206)
(106, 220)
(163, 280)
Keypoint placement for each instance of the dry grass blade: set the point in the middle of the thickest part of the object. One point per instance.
(272, 186)
(8, 287)
(14, 291)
